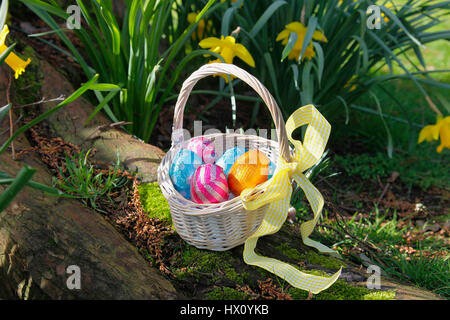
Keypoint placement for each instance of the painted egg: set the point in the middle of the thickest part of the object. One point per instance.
(182, 169)
(209, 184)
(204, 148)
(250, 169)
(272, 168)
(229, 157)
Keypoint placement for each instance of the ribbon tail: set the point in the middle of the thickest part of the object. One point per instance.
(291, 274)
(316, 201)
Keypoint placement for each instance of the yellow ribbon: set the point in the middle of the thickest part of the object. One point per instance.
(277, 193)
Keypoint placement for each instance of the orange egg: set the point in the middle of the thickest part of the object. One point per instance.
(249, 170)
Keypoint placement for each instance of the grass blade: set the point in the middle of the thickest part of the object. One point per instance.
(21, 180)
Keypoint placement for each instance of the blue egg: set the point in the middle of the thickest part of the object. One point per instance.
(182, 169)
(229, 157)
(272, 168)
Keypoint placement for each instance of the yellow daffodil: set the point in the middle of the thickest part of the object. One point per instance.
(16, 63)
(201, 27)
(435, 131)
(300, 30)
(228, 49)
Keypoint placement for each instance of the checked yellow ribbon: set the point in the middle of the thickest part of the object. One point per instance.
(277, 192)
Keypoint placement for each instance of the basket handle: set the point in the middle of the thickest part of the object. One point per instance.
(215, 68)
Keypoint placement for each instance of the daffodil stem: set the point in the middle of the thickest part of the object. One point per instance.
(302, 15)
(235, 32)
(432, 105)
(11, 123)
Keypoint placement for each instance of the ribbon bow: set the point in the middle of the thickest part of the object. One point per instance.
(277, 193)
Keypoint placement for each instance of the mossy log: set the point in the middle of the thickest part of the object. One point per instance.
(41, 236)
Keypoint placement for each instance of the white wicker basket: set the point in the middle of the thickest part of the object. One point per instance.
(228, 224)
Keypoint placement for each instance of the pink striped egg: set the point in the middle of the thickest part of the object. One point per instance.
(209, 184)
(204, 148)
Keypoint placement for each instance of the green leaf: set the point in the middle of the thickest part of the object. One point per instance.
(320, 61)
(307, 84)
(105, 87)
(4, 110)
(3, 13)
(289, 46)
(347, 114)
(312, 25)
(6, 53)
(226, 20)
(272, 74)
(47, 7)
(295, 72)
(21, 180)
(262, 21)
(101, 105)
(390, 146)
(400, 24)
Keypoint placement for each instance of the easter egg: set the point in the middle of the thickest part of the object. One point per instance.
(229, 157)
(272, 168)
(209, 184)
(182, 169)
(204, 148)
(249, 170)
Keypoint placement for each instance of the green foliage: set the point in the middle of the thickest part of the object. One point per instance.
(431, 273)
(350, 61)
(154, 203)
(310, 257)
(367, 166)
(140, 54)
(226, 293)
(214, 265)
(385, 233)
(82, 181)
(413, 170)
(16, 185)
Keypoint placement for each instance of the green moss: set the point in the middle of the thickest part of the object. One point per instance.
(323, 260)
(216, 265)
(380, 295)
(28, 85)
(311, 257)
(341, 290)
(290, 252)
(154, 203)
(226, 293)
